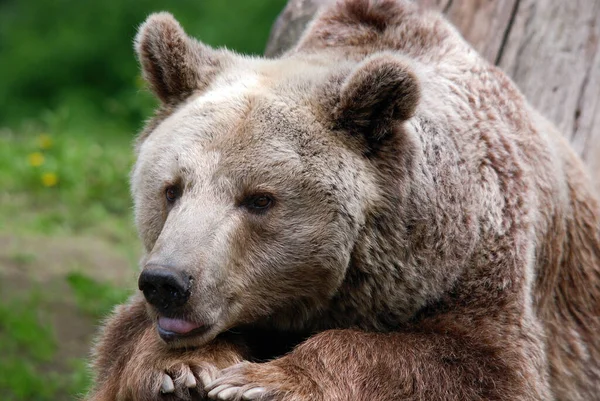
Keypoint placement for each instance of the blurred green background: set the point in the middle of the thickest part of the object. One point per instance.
(71, 102)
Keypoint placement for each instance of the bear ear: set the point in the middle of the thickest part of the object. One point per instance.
(172, 63)
(379, 92)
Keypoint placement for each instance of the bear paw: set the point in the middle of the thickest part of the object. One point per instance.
(185, 382)
(255, 381)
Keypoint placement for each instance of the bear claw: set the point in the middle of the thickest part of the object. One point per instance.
(226, 392)
(190, 380)
(167, 385)
(215, 393)
(178, 379)
(253, 393)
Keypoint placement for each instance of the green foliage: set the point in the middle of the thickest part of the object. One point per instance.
(71, 100)
(79, 53)
(29, 347)
(21, 330)
(79, 381)
(21, 380)
(68, 182)
(95, 298)
(26, 345)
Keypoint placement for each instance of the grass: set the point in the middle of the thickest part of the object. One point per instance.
(31, 368)
(68, 247)
(95, 298)
(26, 344)
(58, 182)
(69, 181)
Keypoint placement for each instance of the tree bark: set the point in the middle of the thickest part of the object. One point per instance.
(550, 48)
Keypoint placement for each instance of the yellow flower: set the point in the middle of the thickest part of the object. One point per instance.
(49, 179)
(35, 159)
(45, 141)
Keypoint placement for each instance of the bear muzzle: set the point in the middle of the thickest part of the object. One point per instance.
(164, 288)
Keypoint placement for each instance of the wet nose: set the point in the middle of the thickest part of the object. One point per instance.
(164, 288)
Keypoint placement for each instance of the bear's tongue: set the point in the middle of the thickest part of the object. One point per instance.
(178, 326)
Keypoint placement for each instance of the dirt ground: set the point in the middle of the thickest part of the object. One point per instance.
(41, 264)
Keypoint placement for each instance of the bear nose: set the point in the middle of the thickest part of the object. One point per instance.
(164, 288)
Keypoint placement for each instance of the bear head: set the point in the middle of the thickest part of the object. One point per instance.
(253, 182)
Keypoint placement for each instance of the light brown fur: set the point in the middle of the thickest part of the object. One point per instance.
(432, 235)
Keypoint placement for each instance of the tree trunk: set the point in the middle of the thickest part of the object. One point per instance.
(550, 48)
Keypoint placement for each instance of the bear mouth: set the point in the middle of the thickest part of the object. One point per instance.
(170, 329)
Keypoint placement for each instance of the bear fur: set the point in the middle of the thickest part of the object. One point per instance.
(427, 235)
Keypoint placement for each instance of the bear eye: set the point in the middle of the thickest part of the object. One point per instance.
(258, 203)
(172, 193)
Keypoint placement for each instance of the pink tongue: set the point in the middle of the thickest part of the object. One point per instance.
(177, 325)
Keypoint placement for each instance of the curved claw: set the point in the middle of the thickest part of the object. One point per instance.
(228, 393)
(190, 380)
(253, 393)
(167, 385)
(216, 391)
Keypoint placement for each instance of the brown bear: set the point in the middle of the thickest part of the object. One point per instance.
(378, 214)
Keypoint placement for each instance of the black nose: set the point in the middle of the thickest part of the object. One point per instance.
(164, 288)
